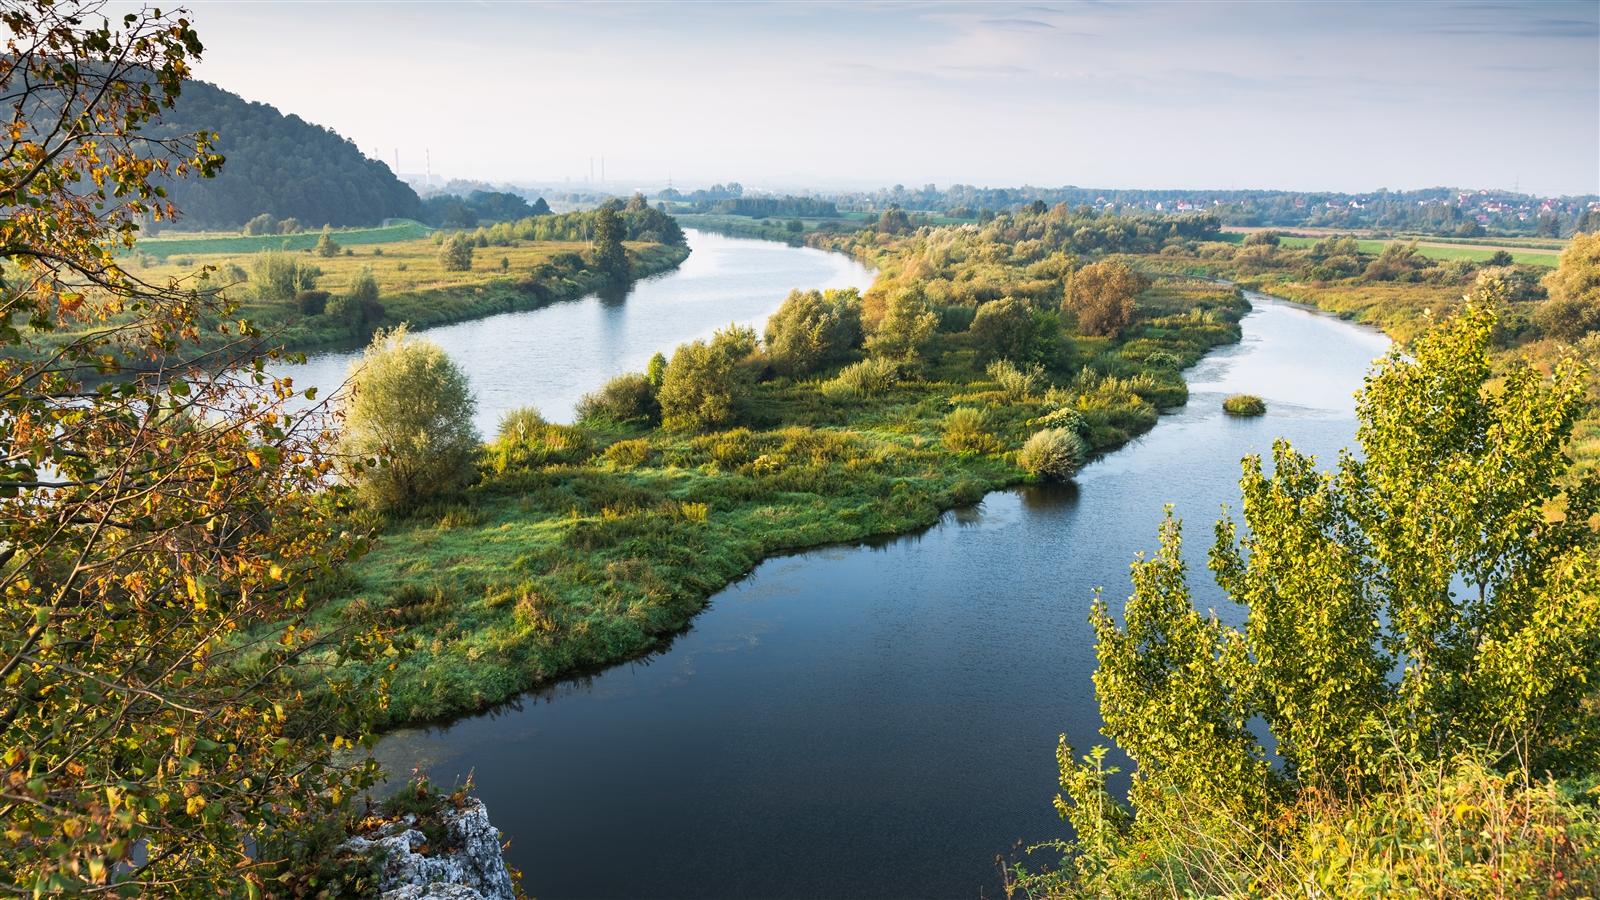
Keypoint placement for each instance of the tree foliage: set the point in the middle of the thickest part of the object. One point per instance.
(907, 325)
(149, 520)
(280, 165)
(455, 253)
(408, 435)
(1004, 329)
(1101, 296)
(609, 254)
(813, 330)
(705, 383)
(1573, 309)
(1422, 603)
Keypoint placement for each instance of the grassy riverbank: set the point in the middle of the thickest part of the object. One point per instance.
(616, 537)
(413, 285)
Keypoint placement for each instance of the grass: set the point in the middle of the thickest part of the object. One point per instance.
(212, 243)
(1436, 250)
(545, 571)
(414, 286)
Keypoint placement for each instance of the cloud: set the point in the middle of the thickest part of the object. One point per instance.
(1017, 24)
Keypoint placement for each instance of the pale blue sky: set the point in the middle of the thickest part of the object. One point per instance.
(1343, 96)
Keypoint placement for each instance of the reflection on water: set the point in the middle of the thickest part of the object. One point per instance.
(880, 720)
(551, 357)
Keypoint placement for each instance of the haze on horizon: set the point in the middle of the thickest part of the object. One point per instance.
(1323, 96)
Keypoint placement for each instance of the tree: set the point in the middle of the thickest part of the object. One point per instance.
(1004, 329)
(410, 407)
(455, 254)
(261, 224)
(148, 520)
(325, 243)
(1421, 600)
(814, 329)
(609, 255)
(704, 384)
(1573, 309)
(894, 221)
(906, 326)
(1101, 296)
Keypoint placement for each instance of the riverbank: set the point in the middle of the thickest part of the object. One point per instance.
(616, 541)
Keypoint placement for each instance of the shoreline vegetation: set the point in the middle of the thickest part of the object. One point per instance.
(975, 354)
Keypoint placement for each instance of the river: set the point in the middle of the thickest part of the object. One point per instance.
(550, 357)
(871, 720)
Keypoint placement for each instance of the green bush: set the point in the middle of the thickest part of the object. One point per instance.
(455, 254)
(1244, 405)
(966, 430)
(813, 330)
(624, 399)
(525, 441)
(311, 303)
(410, 409)
(1065, 417)
(906, 327)
(1003, 329)
(868, 378)
(706, 383)
(1054, 454)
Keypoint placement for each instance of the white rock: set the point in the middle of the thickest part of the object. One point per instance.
(469, 869)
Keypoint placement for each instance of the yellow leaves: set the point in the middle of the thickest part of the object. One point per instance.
(195, 805)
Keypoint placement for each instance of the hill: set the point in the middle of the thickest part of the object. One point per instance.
(278, 164)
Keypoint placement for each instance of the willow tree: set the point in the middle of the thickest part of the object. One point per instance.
(158, 507)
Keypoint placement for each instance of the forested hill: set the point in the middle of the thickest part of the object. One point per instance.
(278, 164)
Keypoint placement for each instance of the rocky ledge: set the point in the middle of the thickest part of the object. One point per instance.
(461, 861)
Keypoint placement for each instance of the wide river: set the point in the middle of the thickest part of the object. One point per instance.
(871, 720)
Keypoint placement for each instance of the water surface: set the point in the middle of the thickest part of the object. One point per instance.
(880, 720)
(550, 357)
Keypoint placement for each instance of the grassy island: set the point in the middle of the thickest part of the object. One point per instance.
(1244, 406)
(583, 545)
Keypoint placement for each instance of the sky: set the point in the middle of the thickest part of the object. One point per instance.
(1300, 96)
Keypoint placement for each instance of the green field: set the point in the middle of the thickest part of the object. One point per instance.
(1527, 257)
(253, 243)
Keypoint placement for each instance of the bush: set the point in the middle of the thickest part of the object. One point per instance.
(1573, 309)
(262, 224)
(326, 246)
(1054, 454)
(813, 330)
(311, 303)
(966, 430)
(629, 453)
(277, 277)
(1244, 405)
(626, 398)
(906, 326)
(1065, 417)
(1017, 384)
(868, 378)
(525, 440)
(411, 408)
(1003, 329)
(1101, 296)
(704, 384)
(455, 254)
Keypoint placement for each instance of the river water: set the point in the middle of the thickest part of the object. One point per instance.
(551, 357)
(871, 720)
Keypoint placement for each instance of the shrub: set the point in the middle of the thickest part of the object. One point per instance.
(277, 277)
(262, 224)
(1017, 384)
(455, 254)
(629, 453)
(290, 225)
(906, 326)
(626, 398)
(1065, 417)
(1003, 329)
(326, 246)
(358, 315)
(704, 384)
(813, 330)
(525, 440)
(1101, 296)
(868, 378)
(410, 407)
(311, 303)
(966, 430)
(1054, 454)
(1244, 405)
(1573, 309)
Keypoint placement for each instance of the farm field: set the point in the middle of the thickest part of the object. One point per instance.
(221, 242)
(1529, 251)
